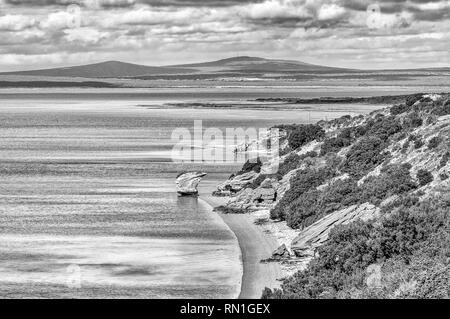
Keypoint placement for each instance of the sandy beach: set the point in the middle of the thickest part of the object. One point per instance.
(255, 245)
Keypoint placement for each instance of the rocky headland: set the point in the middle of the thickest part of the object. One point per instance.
(356, 192)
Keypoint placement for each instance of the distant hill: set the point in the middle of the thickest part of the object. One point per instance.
(109, 69)
(255, 64)
(240, 68)
(117, 69)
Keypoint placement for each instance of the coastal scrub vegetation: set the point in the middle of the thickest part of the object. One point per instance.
(308, 204)
(408, 244)
(301, 182)
(363, 160)
(424, 177)
(251, 165)
(367, 145)
(364, 156)
(302, 134)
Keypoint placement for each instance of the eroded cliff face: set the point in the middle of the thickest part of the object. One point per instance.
(413, 146)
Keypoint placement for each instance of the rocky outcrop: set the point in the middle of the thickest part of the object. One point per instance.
(281, 252)
(316, 234)
(187, 183)
(254, 199)
(236, 184)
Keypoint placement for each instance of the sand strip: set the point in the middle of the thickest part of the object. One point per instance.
(255, 245)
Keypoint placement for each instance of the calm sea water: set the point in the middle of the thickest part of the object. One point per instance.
(87, 197)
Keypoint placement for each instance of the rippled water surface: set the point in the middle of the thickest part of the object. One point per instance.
(88, 205)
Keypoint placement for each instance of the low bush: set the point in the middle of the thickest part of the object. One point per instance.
(311, 154)
(413, 120)
(314, 204)
(383, 127)
(300, 183)
(424, 177)
(334, 144)
(399, 109)
(405, 147)
(303, 134)
(290, 162)
(434, 142)
(410, 100)
(418, 143)
(408, 243)
(366, 154)
(251, 165)
(393, 180)
(444, 160)
(229, 210)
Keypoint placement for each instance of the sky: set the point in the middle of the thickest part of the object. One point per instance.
(361, 34)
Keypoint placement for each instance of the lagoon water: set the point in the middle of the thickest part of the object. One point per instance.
(87, 196)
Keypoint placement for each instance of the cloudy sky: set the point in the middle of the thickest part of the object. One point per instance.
(346, 33)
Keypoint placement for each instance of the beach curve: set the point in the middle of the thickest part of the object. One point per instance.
(255, 245)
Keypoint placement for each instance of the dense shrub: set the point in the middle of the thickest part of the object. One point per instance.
(311, 154)
(333, 144)
(434, 142)
(393, 180)
(300, 183)
(409, 243)
(413, 120)
(383, 127)
(444, 160)
(366, 154)
(311, 204)
(290, 163)
(424, 177)
(443, 109)
(399, 109)
(314, 204)
(251, 165)
(412, 138)
(229, 210)
(303, 134)
(410, 100)
(405, 147)
(418, 143)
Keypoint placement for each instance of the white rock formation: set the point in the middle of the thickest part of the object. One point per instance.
(187, 183)
(316, 234)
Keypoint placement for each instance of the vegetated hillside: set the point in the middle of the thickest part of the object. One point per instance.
(370, 198)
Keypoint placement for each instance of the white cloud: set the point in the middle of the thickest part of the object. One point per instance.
(64, 19)
(272, 9)
(16, 22)
(84, 35)
(330, 12)
(297, 29)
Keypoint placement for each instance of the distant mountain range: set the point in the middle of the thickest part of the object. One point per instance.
(232, 66)
(237, 69)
